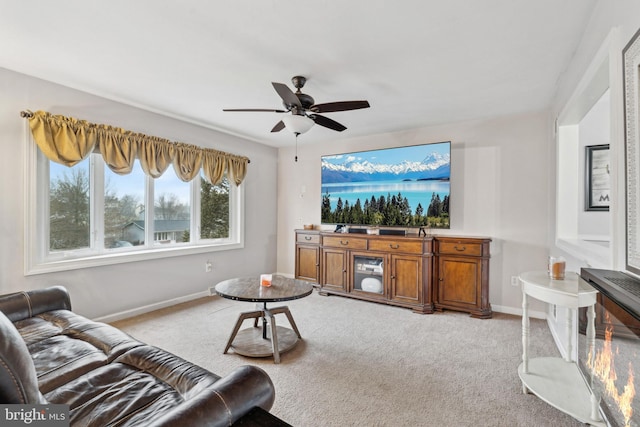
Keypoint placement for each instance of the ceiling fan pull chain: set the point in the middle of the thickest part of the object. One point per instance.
(297, 146)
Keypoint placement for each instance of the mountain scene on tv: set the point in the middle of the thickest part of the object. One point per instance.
(404, 186)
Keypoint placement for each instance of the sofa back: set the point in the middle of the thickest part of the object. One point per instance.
(22, 305)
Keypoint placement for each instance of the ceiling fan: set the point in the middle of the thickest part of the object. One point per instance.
(304, 111)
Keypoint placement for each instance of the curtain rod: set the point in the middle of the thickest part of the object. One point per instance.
(29, 114)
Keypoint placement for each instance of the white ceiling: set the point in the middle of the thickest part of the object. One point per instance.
(417, 62)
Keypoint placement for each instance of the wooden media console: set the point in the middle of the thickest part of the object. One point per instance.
(421, 273)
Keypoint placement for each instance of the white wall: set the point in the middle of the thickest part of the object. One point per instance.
(623, 15)
(499, 188)
(107, 290)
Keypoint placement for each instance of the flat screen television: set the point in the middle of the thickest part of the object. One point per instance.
(393, 187)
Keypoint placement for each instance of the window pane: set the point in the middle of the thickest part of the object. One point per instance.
(214, 209)
(124, 208)
(172, 212)
(69, 207)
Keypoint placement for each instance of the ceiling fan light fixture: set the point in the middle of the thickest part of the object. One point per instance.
(297, 124)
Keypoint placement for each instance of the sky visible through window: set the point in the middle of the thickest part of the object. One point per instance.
(133, 183)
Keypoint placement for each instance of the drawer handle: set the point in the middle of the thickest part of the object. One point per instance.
(460, 249)
(394, 246)
(344, 242)
(307, 237)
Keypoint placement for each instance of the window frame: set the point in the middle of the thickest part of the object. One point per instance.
(39, 260)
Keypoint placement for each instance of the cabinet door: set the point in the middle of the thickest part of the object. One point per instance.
(307, 263)
(458, 282)
(334, 269)
(406, 278)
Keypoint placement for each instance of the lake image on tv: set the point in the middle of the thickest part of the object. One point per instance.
(405, 186)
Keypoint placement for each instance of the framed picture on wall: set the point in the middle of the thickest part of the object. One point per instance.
(597, 178)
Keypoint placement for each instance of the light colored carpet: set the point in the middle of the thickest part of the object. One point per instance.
(367, 364)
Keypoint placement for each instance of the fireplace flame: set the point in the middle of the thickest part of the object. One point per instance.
(602, 366)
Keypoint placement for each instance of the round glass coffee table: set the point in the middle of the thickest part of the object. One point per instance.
(263, 341)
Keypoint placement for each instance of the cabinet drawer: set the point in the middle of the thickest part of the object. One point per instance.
(460, 248)
(345, 242)
(308, 238)
(404, 246)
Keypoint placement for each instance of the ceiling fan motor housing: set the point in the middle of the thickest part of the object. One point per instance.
(306, 100)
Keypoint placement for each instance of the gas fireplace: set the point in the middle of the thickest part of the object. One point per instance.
(612, 366)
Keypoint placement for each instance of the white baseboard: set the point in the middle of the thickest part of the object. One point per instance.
(151, 307)
(518, 311)
(163, 304)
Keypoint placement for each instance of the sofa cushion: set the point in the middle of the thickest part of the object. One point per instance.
(149, 386)
(18, 382)
(65, 345)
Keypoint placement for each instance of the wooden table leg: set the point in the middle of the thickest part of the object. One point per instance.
(243, 316)
(285, 310)
(264, 313)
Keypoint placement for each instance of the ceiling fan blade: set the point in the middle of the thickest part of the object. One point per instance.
(255, 110)
(330, 107)
(286, 94)
(327, 122)
(278, 127)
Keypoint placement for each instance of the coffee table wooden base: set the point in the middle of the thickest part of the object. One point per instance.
(249, 342)
(261, 341)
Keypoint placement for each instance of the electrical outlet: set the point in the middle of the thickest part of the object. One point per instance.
(515, 281)
(208, 267)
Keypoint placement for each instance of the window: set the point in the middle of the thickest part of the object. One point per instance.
(172, 212)
(69, 207)
(124, 208)
(87, 215)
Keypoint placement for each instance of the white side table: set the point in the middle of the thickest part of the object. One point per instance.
(555, 380)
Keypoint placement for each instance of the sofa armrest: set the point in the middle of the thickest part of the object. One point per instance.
(226, 401)
(18, 378)
(22, 305)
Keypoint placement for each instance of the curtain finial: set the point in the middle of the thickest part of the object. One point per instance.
(26, 114)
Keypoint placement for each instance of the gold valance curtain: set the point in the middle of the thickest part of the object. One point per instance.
(67, 140)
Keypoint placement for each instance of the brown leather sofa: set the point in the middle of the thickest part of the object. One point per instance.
(48, 354)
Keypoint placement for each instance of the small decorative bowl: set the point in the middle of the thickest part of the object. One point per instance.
(308, 226)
